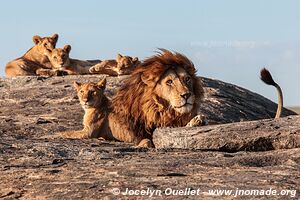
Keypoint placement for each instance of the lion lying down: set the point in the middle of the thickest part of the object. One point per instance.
(123, 65)
(163, 91)
(34, 59)
(62, 64)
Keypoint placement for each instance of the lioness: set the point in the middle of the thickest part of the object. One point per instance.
(63, 64)
(34, 59)
(96, 107)
(123, 65)
(267, 78)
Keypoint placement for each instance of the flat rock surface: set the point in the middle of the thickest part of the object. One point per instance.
(262, 135)
(33, 167)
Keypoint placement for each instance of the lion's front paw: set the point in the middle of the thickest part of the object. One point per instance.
(145, 143)
(93, 69)
(198, 120)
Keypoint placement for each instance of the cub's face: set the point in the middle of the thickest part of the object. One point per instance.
(59, 58)
(44, 44)
(176, 88)
(126, 64)
(90, 94)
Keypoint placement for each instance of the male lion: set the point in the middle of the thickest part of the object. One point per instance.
(123, 65)
(34, 59)
(63, 64)
(163, 91)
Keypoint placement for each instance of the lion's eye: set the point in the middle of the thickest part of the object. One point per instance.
(187, 79)
(169, 82)
(45, 44)
(54, 57)
(81, 91)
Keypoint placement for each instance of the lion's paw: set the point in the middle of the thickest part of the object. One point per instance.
(145, 143)
(198, 120)
(93, 69)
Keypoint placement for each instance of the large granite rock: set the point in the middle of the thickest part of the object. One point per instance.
(33, 167)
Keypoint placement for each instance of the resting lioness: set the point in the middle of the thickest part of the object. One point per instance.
(123, 65)
(34, 59)
(63, 64)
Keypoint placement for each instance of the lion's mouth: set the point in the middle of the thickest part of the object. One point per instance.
(184, 105)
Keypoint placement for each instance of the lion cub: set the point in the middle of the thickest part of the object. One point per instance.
(98, 120)
(123, 65)
(34, 59)
(62, 64)
(96, 107)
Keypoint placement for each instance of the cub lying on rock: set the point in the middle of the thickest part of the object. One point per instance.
(123, 65)
(96, 107)
(97, 120)
(62, 64)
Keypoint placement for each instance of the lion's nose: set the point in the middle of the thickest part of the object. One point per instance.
(186, 95)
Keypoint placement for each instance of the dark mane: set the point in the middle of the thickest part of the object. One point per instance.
(135, 102)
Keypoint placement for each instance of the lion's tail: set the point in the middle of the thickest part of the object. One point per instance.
(266, 77)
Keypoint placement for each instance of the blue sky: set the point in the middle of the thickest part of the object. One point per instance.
(228, 40)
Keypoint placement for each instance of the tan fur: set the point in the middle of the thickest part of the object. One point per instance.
(97, 120)
(96, 107)
(123, 65)
(61, 62)
(34, 59)
(156, 95)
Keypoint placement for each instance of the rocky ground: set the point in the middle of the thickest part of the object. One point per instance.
(33, 167)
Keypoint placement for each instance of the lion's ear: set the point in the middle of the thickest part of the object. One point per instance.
(67, 48)
(77, 85)
(119, 56)
(36, 39)
(55, 37)
(102, 83)
(148, 80)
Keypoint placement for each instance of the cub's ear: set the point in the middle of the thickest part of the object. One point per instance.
(102, 83)
(119, 56)
(77, 85)
(55, 37)
(67, 48)
(36, 39)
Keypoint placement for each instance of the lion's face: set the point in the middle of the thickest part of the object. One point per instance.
(176, 88)
(90, 94)
(126, 64)
(44, 44)
(59, 58)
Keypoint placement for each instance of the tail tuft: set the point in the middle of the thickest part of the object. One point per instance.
(266, 77)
